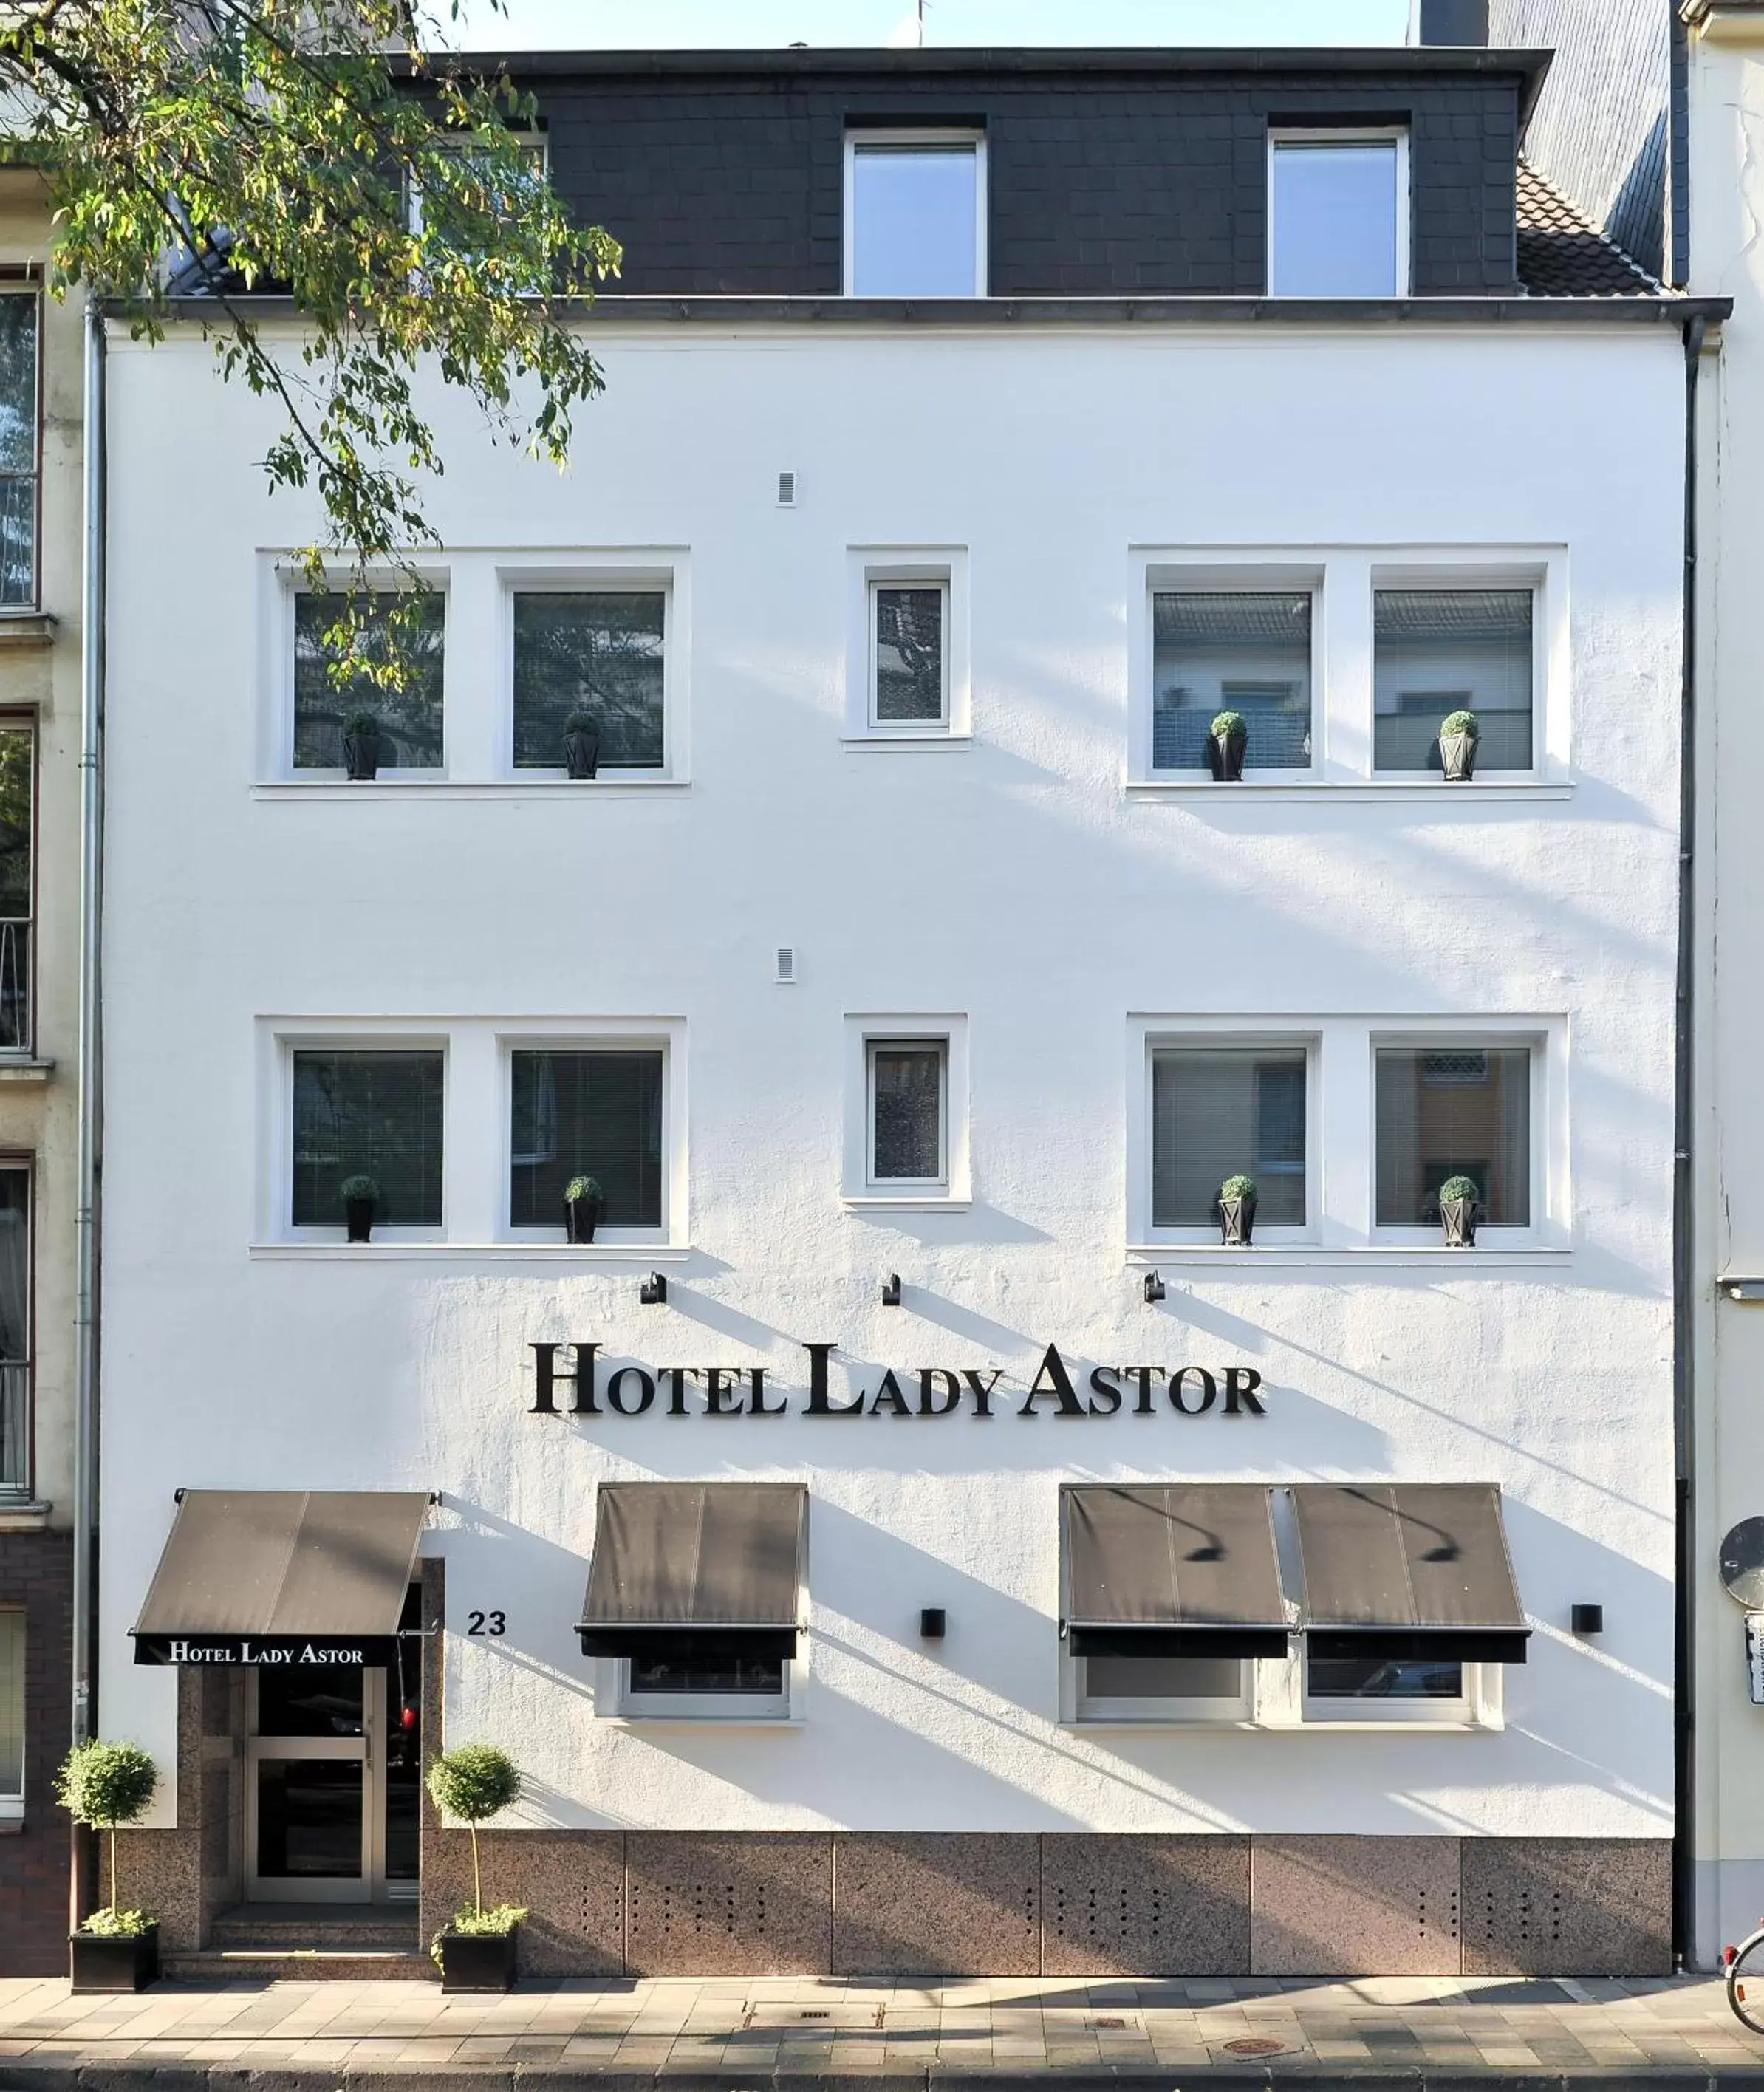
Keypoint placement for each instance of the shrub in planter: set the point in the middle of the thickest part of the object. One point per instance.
(360, 1196)
(478, 1951)
(361, 746)
(1227, 738)
(1237, 1210)
(108, 1785)
(1458, 734)
(581, 744)
(583, 1204)
(1459, 1203)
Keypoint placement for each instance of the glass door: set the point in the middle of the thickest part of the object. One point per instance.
(310, 1786)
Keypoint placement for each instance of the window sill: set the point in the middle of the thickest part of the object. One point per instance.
(22, 1515)
(611, 1254)
(923, 1202)
(918, 743)
(467, 789)
(34, 1073)
(1416, 1255)
(1399, 791)
(26, 629)
(1162, 1724)
(672, 1721)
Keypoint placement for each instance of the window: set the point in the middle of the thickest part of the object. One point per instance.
(11, 1703)
(1226, 1110)
(20, 424)
(686, 1679)
(593, 1114)
(598, 654)
(1449, 1110)
(1163, 1688)
(17, 793)
(1441, 651)
(462, 211)
(909, 1090)
(1236, 651)
(409, 717)
(915, 214)
(373, 1112)
(1405, 1690)
(909, 655)
(1338, 214)
(15, 1333)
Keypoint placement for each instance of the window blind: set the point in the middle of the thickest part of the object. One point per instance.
(599, 653)
(586, 1114)
(410, 718)
(1441, 650)
(372, 1112)
(1448, 1112)
(1220, 1112)
(1247, 653)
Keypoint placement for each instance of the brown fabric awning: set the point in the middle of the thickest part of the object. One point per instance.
(1172, 1569)
(1408, 1570)
(719, 1562)
(259, 1568)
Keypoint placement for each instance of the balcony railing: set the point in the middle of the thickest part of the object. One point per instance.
(15, 986)
(15, 1427)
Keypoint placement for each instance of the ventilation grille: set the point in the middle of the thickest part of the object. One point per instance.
(1450, 1071)
(787, 489)
(786, 962)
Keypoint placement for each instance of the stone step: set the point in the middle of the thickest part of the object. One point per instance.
(259, 1964)
(295, 1933)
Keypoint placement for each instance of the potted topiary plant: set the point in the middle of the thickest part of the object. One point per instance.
(478, 1951)
(1458, 734)
(107, 1785)
(1227, 738)
(581, 744)
(360, 1196)
(361, 746)
(1237, 1210)
(584, 1203)
(1460, 1202)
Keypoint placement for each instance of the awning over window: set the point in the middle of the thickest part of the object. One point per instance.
(1408, 1570)
(719, 1563)
(281, 1576)
(1176, 1569)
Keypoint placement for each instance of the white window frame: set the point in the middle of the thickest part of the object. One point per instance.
(1160, 1710)
(1375, 134)
(870, 567)
(1278, 577)
(607, 578)
(908, 1185)
(861, 1187)
(1548, 643)
(614, 1037)
(292, 585)
(280, 1176)
(931, 136)
(738, 1707)
(1478, 1706)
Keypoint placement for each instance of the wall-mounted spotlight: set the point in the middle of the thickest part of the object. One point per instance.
(653, 1292)
(1154, 1288)
(891, 1292)
(931, 1622)
(1587, 1619)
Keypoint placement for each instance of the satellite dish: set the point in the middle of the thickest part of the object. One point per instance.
(1742, 1564)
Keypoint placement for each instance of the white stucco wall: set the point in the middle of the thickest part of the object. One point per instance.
(1017, 883)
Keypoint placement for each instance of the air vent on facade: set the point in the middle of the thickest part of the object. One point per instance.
(787, 489)
(786, 962)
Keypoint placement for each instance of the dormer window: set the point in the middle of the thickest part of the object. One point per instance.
(1338, 214)
(915, 214)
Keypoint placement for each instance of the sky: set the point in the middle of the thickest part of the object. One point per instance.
(714, 24)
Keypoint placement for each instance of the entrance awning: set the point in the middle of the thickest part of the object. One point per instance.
(1176, 1569)
(281, 1576)
(1408, 1571)
(720, 1562)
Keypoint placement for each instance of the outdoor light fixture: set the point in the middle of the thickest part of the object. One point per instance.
(930, 1623)
(1154, 1287)
(1587, 1619)
(891, 1292)
(653, 1292)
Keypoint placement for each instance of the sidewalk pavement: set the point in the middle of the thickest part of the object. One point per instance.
(736, 2032)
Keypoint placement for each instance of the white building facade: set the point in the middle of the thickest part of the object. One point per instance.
(907, 1535)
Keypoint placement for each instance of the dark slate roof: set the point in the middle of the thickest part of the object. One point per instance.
(1563, 255)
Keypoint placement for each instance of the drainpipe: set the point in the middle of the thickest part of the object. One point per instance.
(1683, 1707)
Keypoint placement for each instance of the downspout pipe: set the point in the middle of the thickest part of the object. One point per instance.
(1683, 1701)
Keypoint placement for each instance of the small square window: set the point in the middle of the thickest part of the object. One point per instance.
(409, 717)
(1453, 1111)
(1437, 651)
(597, 655)
(595, 1114)
(1238, 650)
(909, 654)
(909, 1101)
(1338, 215)
(1228, 1111)
(915, 215)
(12, 1702)
(367, 1113)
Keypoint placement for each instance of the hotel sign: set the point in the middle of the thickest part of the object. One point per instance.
(267, 1652)
(573, 1380)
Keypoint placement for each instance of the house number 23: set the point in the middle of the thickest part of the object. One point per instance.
(486, 1623)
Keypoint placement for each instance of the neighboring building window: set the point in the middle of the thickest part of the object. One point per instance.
(909, 654)
(1237, 651)
(11, 1703)
(915, 215)
(1227, 1111)
(599, 655)
(19, 448)
(18, 793)
(682, 1680)
(1338, 207)
(1449, 1111)
(372, 1112)
(1138, 1688)
(908, 1098)
(14, 1334)
(586, 1114)
(409, 716)
(1435, 651)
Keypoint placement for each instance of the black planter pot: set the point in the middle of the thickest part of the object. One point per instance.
(359, 1212)
(1458, 757)
(479, 1961)
(361, 757)
(581, 1217)
(1225, 757)
(1237, 1221)
(1459, 1215)
(582, 754)
(105, 1961)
